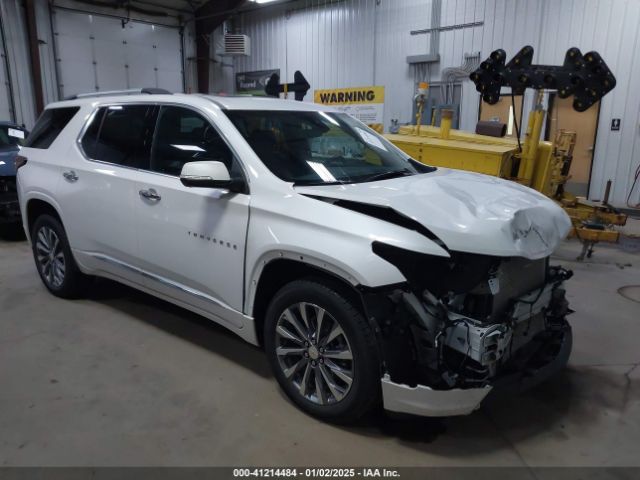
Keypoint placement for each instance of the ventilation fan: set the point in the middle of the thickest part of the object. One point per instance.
(235, 44)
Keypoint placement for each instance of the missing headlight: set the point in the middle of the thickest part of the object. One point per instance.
(457, 274)
(471, 318)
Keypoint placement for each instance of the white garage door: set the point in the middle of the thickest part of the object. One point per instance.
(98, 53)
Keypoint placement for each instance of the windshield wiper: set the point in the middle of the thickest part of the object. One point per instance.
(377, 176)
(319, 184)
(387, 175)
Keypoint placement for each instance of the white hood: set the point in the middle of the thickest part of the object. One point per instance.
(469, 212)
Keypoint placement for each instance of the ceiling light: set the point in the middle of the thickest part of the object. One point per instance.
(263, 1)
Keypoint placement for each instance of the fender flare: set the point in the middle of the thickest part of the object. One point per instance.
(303, 258)
(36, 195)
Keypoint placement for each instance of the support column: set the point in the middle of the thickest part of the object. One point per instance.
(209, 17)
(34, 55)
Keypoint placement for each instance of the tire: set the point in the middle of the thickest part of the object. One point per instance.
(299, 367)
(62, 276)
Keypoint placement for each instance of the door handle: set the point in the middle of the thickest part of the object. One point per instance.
(70, 175)
(150, 194)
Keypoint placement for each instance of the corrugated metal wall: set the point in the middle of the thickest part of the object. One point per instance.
(339, 43)
(331, 43)
(612, 27)
(365, 42)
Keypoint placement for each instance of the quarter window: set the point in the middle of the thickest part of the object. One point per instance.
(49, 125)
(183, 135)
(121, 134)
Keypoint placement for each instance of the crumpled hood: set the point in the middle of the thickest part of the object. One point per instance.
(7, 161)
(469, 212)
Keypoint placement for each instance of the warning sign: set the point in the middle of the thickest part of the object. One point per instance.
(364, 103)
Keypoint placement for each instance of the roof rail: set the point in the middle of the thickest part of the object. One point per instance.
(131, 91)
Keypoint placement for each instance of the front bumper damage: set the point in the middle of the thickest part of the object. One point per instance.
(425, 401)
(444, 353)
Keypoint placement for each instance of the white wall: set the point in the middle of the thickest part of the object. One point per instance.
(340, 43)
(332, 46)
(365, 42)
(612, 27)
(71, 35)
(6, 109)
(13, 16)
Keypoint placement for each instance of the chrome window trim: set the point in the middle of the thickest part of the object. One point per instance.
(197, 110)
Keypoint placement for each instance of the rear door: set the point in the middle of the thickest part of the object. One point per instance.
(191, 240)
(97, 192)
(47, 151)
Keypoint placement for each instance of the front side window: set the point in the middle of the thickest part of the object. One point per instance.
(183, 135)
(319, 148)
(121, 134)
(49, 125)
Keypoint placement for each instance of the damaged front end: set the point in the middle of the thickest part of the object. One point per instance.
(463, 325)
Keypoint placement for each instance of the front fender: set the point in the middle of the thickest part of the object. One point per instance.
(382, 272)
(327, 237)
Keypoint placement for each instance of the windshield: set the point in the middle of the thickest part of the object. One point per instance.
(11, 137)
(319, 148)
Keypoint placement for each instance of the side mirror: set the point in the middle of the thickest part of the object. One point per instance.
(206, 175)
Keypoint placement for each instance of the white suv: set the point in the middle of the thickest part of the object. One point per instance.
(367, 277)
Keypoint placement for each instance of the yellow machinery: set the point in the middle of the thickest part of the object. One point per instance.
(541, 165)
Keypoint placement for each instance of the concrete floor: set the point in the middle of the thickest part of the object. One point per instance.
(121, 378)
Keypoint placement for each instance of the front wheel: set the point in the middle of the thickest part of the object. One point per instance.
(322, 351)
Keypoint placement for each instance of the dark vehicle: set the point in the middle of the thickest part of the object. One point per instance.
(12, 137)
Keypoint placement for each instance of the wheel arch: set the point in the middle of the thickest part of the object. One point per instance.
(281, 271)
(36, 207)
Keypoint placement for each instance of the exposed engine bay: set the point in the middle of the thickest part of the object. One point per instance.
(468, 320)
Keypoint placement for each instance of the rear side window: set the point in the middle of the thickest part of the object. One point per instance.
(49, 125)
(121, 134)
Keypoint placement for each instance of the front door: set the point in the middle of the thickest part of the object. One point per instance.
(191, 240)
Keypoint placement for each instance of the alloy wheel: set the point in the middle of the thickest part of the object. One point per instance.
(50, 256)
(314, 354)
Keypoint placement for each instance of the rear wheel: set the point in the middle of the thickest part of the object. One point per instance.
(322, 351)
(54, 261)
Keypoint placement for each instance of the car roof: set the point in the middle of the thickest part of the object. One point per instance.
(246, 102)
(222, 101)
